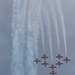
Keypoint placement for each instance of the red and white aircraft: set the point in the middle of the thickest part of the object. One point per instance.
(59, 63)
(45, 63)
(53, 73)
(37, 61)
(66, 59)
(52, 66)
(59, 56)
(44, 56)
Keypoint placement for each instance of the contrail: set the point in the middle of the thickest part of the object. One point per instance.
(36, 23)
(42, 28)
(50, 38)
(35, 39)
(46, 20)
(51, 6)
(30, 8)
(33, 35)
(31, 68)
(42, 35)
(18, 38)
(59, 12)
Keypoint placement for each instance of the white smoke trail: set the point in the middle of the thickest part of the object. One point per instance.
(33, 35)
(35, 21)
(46, 20)
(59, 12)
(42, 35)
(31, 68)
(18, 38)
(50, 38)
(42, 29)
(51, 4)
(35, 39)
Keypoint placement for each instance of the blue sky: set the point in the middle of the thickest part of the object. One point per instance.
(68, 8)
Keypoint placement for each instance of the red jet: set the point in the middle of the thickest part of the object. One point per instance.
(52, 66)
(53, 73)
(45, 63)
(59, 63)
(66, 59)
(59, 56)
(36, 61)
(44, 56)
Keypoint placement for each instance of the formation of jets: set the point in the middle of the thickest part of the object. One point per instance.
(59, 63)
